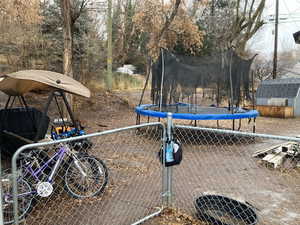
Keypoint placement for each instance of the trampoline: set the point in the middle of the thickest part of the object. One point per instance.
(179, 84)
(195, 112)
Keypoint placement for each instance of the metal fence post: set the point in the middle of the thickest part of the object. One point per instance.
(1, 211)
(15, 187)
(167, 171)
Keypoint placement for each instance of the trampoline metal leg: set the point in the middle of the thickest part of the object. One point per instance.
(240, 124)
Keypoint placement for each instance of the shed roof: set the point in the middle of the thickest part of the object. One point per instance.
(278, 88)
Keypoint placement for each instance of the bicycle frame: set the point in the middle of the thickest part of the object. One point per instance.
(57, 156)
(34, 183)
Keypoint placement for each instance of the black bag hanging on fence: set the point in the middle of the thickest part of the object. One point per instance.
(173, 153)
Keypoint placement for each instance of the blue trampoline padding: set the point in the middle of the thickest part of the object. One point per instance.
(189, 116)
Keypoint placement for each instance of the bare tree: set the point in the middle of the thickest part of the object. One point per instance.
(70, 10)
(286, 61)
(233, 23)
(248, 20)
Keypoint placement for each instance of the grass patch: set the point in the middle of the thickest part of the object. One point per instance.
(120, 81)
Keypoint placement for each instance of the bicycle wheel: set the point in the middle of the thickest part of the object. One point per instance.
(86, 177)
(25, 196)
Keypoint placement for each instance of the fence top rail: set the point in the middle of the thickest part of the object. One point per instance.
(34, 145)
(223, 131)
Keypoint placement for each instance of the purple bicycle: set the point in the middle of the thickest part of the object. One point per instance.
(83, 175)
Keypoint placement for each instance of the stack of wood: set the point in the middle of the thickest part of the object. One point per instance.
(285, 155)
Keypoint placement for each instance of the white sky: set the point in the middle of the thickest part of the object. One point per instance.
(289, 23)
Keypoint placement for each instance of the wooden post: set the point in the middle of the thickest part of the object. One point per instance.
(275, 41)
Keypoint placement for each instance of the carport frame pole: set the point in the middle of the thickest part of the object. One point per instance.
(167, 171)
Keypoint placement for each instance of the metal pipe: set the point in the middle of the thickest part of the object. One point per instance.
(146, 82)
(138, 119)
(231, 88)
(149, 217)
(69, 110)
(24, 102)
(7, 102)
(1, 206)
(169, 169)
(253, 100)
(44, 117)
(35, 145)
(162, 78)
(164, 139)
(15, 190)
(13, 101)
(246, 134)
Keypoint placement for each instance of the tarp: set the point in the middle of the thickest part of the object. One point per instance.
(25, 81)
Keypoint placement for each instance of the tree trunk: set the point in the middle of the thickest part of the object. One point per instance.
(68, 44)
(68, 37)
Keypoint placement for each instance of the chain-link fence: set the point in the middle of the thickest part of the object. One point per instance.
(229, 177)
(112, 177)
(226, 177)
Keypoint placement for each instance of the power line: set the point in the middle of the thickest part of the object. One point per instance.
(284, 2)
(290, 71)
(282, 22)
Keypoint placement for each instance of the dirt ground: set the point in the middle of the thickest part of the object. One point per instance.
(112, 110)
(226, 169)
(281, 188)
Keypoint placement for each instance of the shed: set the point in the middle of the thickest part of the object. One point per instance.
(279, 97)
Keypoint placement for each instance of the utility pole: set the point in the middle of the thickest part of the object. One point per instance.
(275, 41)
(109, 46)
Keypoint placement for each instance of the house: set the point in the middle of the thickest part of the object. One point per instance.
(279, 97)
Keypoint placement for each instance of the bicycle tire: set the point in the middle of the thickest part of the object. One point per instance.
(96, 172)
(24, 201)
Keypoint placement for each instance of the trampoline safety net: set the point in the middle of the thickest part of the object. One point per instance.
(178, 77)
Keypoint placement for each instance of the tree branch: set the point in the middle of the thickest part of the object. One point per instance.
(76, 13)
(169, 20)
(237, 10)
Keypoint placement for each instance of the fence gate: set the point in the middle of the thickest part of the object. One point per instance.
(51, 193)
